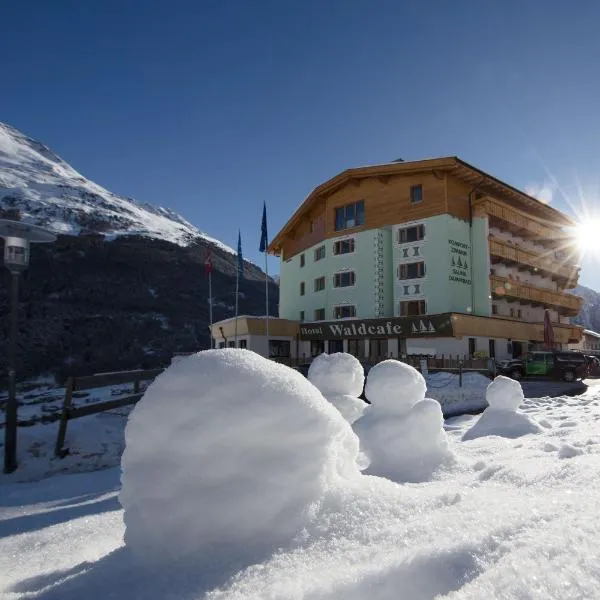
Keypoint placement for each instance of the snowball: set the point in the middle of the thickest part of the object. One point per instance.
(337, 374)
(404, 448)
(394, 386)
(350, 407)
(504, 394)
(227, 456)
(501, 418)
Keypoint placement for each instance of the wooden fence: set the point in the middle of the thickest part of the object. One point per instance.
(77, 384)
(434, 363)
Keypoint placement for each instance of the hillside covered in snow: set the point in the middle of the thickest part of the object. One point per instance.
(124, 284)
(49, 192)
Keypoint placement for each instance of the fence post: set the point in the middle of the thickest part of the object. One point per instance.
(64, 418)
(136, 386)
(460, 370)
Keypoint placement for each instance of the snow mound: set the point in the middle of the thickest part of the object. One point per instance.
(504, 393)
(337, 374)
(227, 457)
(402, 432)
(351, 407)
(340, 378)
(504, 396)
(394, 386)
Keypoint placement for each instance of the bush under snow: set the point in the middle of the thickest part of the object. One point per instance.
(340, 378)
(504, 396)
(227, 456)
(402, 432)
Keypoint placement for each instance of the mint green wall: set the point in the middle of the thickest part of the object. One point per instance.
(378, 290)
(362, 295)
(446, 286)
(481, 267)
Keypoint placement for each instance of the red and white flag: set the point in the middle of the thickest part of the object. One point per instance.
(208, 266)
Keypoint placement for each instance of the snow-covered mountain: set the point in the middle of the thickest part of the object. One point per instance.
(49, 192)
(589, 316)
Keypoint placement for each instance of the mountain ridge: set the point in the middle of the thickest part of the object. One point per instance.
(123, 286)
(47, 191)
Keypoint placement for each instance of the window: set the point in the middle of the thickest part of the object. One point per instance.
(494, 309)
(344, 312)
(471, 347)
(407, 290)
(413, 308)
(320, 314)
(302, 260)
(411, 270)
(319, 253)
(356, 348)
(279, 348)
(335, 346)
(319, 284)
(243, 344)
(492, 348)
(416, 251)
(221, 344)
(302, 315)
(232, 344)
(411, 234)
(351, 215)
(302, 288)
(515, 313)
(344, 246)
(345, 279)
(417, 289)
(416, 194)
(317, 347)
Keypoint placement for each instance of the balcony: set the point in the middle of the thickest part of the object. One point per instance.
(565, 275)
(565, 304)
(504, 217)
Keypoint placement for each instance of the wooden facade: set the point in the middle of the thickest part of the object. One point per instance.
(565, 275)
(450, 186)
(502, 328)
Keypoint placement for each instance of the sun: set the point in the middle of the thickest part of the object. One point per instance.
(587, 236)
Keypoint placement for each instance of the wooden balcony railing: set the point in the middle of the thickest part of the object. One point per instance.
(565, 304)
(517, 219)
(566, 274)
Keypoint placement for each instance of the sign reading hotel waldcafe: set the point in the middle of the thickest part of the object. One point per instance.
(406, 327)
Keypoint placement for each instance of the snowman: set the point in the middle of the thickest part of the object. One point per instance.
(340, 378)
(501, 417)
(402, 432)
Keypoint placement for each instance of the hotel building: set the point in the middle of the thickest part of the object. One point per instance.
(426, 257)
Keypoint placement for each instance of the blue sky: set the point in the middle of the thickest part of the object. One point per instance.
(210, 107)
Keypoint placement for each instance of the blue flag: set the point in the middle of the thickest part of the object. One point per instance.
(240, 263)
(264, 238)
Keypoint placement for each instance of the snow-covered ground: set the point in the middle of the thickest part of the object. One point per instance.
(510, 518)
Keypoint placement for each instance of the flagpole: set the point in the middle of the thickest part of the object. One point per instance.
(210, 307)
(267, 296)
(237, 295)
(239, 267)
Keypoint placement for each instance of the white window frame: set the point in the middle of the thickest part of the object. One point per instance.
(344, 306)
(345, 239)
(342, 273)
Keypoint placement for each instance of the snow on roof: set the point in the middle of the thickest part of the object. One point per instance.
(591, 333)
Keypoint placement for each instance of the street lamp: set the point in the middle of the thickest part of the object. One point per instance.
(17, 238)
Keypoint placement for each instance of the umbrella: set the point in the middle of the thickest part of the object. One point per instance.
(548, 331)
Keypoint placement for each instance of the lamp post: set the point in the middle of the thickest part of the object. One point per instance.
(17, 239)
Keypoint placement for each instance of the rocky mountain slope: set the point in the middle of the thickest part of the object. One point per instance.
(589, 316)
(49, 192)
(122, 287)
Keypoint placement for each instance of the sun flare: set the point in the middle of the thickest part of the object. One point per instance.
(587, 236)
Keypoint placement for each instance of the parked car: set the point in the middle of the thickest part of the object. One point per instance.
(557, 365)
